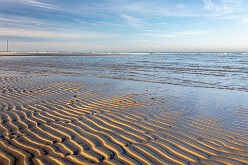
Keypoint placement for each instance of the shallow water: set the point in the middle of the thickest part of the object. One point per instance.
(210, 70)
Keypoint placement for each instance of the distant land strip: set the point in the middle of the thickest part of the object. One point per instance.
(62, 54)
(10, 53)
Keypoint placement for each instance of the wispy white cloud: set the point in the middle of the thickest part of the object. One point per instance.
(229, 10)
(43, 34)
(133, 21)
(179, 33)
(245, 21)
(23, 21)
(160, 35)
(194, 32)
(130, 7)
(155, 9)
(208, 4)
(158, 9)
(39, 4)
(222, 8)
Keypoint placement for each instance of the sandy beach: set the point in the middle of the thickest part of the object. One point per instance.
(70, 120)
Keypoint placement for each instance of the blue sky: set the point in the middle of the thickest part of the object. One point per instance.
(124, 25)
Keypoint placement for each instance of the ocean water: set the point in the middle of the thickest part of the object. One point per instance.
(208, 70)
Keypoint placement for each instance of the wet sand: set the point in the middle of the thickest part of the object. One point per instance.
(72, 121)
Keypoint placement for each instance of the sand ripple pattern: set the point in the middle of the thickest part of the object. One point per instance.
(78, 123)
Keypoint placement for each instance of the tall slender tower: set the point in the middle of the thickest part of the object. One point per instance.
(7, 45)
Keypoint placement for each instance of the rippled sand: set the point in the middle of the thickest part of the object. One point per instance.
(77, 122)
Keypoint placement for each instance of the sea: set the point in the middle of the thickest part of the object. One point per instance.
(207, 70)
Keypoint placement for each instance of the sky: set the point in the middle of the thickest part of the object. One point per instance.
(124, 25)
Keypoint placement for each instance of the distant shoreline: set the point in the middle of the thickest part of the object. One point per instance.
(58, 54)
(102, 54)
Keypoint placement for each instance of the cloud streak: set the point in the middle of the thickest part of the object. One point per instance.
(189, 33)
(23, 21)
(228, 10)
(208, 4)
(223, 7)
(194, 32)
(26, 33)
(133, 21)
(36, 3)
